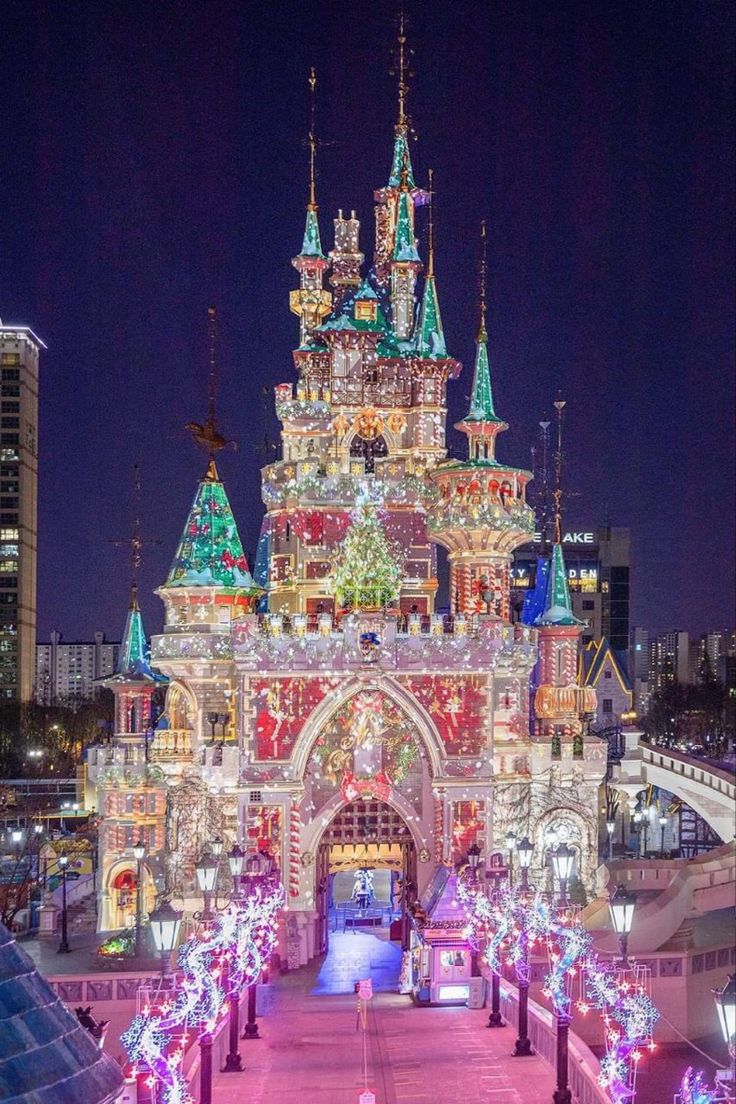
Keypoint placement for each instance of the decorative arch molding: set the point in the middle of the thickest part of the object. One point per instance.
(401, 697)
(323, 818)
(179, 688)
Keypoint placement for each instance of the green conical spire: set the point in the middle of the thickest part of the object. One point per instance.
(133, 662)
(210, 551)
(557, 605)
(481, 399)
(405, 247)
(312, 244)
(430, 335)
(401, 159)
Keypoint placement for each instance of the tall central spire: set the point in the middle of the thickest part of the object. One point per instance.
(401, 169)
(312, 245)
(207, 434)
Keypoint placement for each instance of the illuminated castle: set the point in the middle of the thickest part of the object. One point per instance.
(343, 722)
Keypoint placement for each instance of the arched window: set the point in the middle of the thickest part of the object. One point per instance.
(369, 450)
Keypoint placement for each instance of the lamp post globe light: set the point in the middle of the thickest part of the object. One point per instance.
(64, 947)
(563, 860)
(206, 872)
(725, 1001)
(165, 923)
(622, 906)
(525, 850)
(235, 860)
(473, 860)
(139, 851)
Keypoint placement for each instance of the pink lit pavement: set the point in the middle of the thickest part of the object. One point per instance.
(311, 1053)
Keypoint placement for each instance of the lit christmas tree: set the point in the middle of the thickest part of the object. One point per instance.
(367, 574)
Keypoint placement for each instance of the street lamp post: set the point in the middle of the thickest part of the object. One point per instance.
(562, 1094)
(64, 947)
(473, 860)
(165, 923)
(255, 868)
(622, 906)
(139, 851)
(525, 850)
(725, 1000)
(662, 826)
(562, 864)
(638, 815)
(206, 872)
(610, 828)
(523, 1045)
(510, 845)
(233, 1061)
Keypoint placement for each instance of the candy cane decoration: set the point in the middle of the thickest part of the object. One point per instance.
(295, 825)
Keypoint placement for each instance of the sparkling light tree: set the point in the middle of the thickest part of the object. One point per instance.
(367, 574)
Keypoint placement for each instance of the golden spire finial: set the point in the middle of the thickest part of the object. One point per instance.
(312, 205)
(559, 407)
(402, 71)
(482, 332)
(430, 260)
(207, 435)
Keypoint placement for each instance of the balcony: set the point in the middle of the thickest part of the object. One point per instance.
(386, 642)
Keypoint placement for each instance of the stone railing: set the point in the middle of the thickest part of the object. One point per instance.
(275, 642)
(171, 743)
(191, 646)
(584, 1067)
(717, 779)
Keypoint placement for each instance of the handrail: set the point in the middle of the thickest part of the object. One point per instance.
(584, 1067)
(651, 753)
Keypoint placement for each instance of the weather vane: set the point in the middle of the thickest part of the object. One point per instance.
(135, 542)
(207, 435)
(312, 140)
(482, 333)
(559, 407)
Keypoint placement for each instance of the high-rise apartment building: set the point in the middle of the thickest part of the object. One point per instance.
(19, 352)
(669, 660)
(68, 671)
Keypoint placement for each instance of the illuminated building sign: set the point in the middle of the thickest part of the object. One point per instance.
(570, 538)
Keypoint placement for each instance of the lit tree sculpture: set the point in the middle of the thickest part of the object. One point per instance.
(367, 573)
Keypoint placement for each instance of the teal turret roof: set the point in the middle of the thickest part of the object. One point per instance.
(133, 661)
(312, 244)
(430, 335)
(401, 159)
(557, 606)
(481, 399)
(210, 552)
(405, 247)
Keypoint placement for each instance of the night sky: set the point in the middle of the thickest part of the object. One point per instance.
(154, 163)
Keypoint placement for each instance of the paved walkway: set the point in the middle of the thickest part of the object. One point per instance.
(355, 955)
(311, 1053)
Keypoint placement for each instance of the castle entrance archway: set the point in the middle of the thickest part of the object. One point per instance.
(366, 872)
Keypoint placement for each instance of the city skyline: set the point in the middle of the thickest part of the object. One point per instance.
(609, 263)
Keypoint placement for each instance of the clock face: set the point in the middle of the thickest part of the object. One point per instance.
(424, 855)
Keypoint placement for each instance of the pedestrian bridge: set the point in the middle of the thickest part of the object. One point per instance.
(709, 790)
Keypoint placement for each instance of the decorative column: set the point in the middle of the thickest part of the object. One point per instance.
(295, 826)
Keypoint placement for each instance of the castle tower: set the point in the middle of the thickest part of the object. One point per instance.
(311, 302)
(209, 586)
(134, 681)
(481, 514)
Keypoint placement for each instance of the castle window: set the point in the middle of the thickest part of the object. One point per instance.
(365, 310)
(369, 451)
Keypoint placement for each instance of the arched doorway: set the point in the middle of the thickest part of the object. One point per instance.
(366, 872)
(123, 898)
(369, 449)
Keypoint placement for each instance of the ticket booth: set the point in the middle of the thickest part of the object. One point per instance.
(441, 956)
